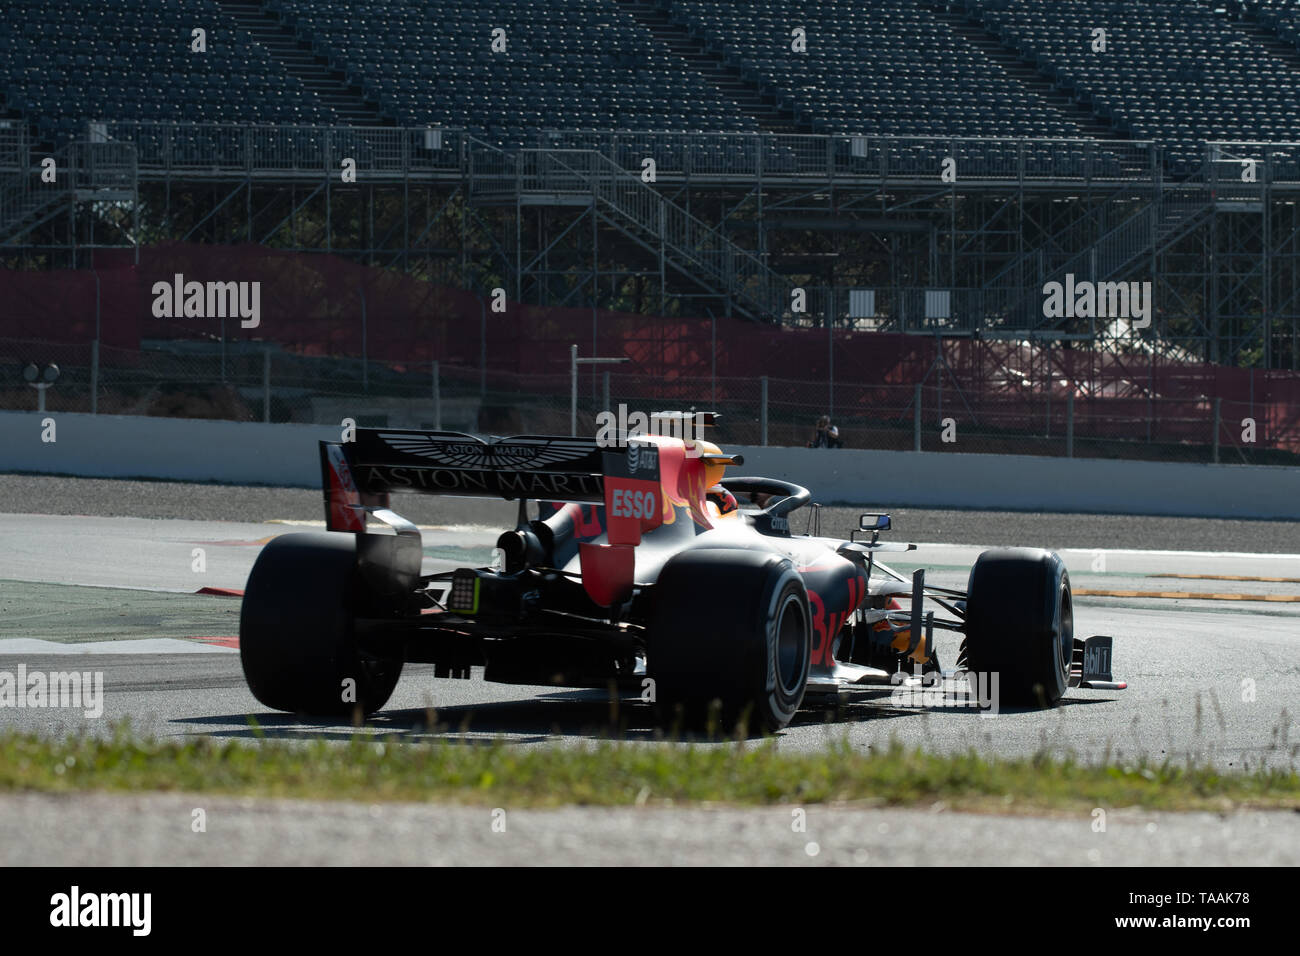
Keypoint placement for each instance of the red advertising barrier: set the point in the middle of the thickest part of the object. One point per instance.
(323, 305)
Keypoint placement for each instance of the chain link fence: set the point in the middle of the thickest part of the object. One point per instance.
(189, 379)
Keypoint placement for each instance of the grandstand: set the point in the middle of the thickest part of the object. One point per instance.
(65, 62)
(911, 167)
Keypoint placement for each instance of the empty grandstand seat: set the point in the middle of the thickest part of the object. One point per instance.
(1178, 73)
(132, 60)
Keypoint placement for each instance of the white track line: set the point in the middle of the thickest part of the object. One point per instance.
(148, 645)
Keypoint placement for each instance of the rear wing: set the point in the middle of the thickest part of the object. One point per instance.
(361, 473)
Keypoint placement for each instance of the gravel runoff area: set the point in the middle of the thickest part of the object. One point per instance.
(46, 494)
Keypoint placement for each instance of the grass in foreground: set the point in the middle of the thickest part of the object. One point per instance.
(611, 774)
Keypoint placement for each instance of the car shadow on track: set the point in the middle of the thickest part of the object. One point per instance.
(570, 714)
(859, 706)
(565, 714)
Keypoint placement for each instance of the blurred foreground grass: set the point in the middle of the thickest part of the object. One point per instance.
(611, 773)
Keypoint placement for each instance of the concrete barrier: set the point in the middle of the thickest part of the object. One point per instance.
(186, 449)
(125, 446)
(1031, 483)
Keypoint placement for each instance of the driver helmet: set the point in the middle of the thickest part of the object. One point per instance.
(724, 500)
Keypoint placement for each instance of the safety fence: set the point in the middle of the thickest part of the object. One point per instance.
(252, 382)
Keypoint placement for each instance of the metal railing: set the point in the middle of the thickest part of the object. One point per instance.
(1172, 210)
(694, 246)
(89, 170)
(267, 148)
(771, 155)
(215, 147)
(1225, 163)
(102, 166)
(21, 209)
(27, 201)
(1147, 230)
(15, 147)
(255, 383)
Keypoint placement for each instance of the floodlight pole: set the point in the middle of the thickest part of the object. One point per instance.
(574, 362)
(50, 375)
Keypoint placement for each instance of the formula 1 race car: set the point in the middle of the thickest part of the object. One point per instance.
(646, 568)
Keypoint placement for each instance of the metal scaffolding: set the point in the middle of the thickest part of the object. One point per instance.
(846, 232)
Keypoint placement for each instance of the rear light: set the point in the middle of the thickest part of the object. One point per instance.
(463, 598)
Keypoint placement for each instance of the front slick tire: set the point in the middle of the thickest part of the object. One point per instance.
(730, 639)
(1020, 624)
(296, 637)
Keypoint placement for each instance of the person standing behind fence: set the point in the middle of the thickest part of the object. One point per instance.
(827, 435)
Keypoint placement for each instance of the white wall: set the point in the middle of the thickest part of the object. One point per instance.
(1029, 483)
(133, 446)
(126, 446)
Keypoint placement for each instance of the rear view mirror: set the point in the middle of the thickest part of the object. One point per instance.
(874, 522)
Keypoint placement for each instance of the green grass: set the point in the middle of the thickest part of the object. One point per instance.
(610, 774)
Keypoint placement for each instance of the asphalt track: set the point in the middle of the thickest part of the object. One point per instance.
(172, 499)
(1210, 677)
(1213, 667)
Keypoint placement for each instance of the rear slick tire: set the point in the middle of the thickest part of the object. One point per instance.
(297, 642)
(730, 637)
